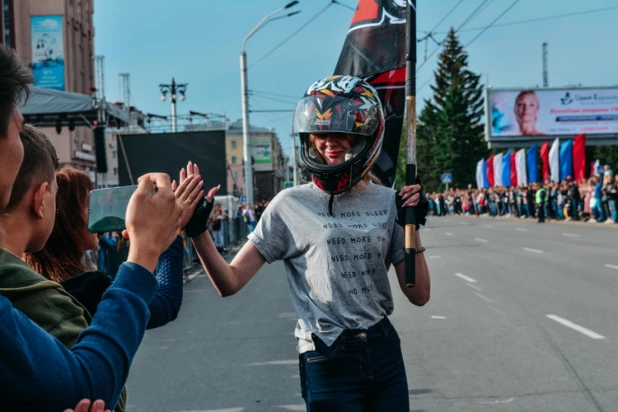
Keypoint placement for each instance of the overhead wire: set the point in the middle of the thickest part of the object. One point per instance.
(446, 16)
(275, 99)
(476, 37)
(470, 16)
(274, 94)
(557, 16)
(492, 23)
(292, 35)
(343, 5)
(481, 8)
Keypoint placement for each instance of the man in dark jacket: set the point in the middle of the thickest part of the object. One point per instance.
(575, 197)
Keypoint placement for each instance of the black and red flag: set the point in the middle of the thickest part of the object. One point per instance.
(375, 50)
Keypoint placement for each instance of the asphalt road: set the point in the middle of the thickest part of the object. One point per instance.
(523, 317)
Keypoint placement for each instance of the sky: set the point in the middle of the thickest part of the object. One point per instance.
(199, 42)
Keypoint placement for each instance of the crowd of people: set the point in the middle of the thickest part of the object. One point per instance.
(68, 333)
(592, 200)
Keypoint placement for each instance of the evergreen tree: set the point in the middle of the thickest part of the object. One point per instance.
(449, 131)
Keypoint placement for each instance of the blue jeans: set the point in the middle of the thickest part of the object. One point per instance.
(600, 211)
(362, 371)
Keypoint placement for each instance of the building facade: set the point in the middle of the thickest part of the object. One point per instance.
(55, 38)
(268, 161)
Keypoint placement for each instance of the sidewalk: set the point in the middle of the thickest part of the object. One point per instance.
(534, 219)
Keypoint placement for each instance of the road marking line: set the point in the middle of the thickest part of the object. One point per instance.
(485, 298)
(438, 317)
(434, 257)
(466, 278)
(496, 402)
(521, 229)
(576, 327)
(277, 362)
(426, 229)
(448, 234)
(474, 287)
(446, 220)
(571, 235)
(527, 249)
(488, 225)
(465, 223)
(218, 410)
(611, 266)
(299, 407)
(478, 239)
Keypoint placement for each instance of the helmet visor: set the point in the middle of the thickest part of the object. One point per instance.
(341, 115)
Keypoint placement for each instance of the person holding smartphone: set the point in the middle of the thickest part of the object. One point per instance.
(31, 215)
(37, 372)
(60, 260)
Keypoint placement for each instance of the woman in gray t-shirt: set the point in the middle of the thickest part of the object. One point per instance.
(338, 237)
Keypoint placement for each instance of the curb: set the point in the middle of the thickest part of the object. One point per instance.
(530, 220)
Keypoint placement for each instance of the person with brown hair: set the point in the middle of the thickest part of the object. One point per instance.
(36, 371)
(61, 260)
(29, 220)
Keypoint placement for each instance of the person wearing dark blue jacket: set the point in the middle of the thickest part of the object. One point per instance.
(37, 372)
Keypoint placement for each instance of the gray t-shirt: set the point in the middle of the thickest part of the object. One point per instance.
(337, 266)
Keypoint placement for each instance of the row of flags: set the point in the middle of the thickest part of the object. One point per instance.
(519, 168)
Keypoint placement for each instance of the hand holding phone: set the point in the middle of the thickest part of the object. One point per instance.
(152, 220)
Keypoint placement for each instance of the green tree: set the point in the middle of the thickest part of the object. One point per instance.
(608, 155)
(449, 131)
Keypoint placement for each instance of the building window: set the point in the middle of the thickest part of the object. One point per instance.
(6, 16)
(235, 174)
(115, 171)
(234, 160)
(113, 154)
(233, 144)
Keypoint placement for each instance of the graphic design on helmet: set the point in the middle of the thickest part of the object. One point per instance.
(340, 107)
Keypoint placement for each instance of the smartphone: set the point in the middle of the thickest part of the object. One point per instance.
(107, 208)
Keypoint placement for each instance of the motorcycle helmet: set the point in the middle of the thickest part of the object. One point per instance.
(340, 104)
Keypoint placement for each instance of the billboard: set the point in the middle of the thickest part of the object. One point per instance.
(261, 150)
(517, 114)
(168, 152)
(46, 36)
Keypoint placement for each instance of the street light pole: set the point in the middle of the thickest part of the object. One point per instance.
(173, 88)
(245, 102)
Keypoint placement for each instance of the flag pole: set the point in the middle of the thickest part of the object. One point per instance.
(410, 227)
